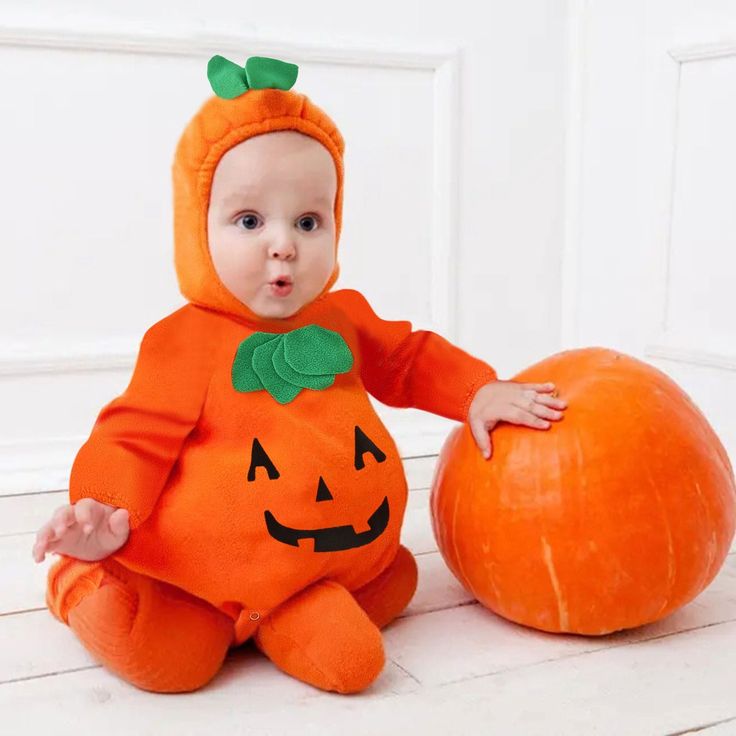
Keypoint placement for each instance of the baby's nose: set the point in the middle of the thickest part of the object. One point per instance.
(282, 248)
(282, 253)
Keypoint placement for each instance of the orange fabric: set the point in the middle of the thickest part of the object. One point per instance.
(154, 635)
(162, 639)
(389, 594)
(176, 447)
(175, 450)
(341, 648)
(218, 126)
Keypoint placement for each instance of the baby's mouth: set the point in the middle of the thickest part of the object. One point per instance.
(282, 279)
(281, 286)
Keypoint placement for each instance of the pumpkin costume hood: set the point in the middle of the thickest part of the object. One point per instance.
(219, 125)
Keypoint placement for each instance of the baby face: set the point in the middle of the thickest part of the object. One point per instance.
(271, 223)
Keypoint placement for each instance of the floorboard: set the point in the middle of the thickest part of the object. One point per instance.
(453, 667)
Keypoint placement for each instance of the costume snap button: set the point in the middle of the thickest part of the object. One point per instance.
(254, 616)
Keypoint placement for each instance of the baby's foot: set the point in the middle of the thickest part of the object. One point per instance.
(87, 530)
(323, 637)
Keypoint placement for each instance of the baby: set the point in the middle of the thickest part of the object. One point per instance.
(243, 487)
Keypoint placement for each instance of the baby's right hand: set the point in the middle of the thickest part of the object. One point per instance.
(87, 530)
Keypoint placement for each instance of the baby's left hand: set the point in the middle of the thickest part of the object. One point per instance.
(520, 403)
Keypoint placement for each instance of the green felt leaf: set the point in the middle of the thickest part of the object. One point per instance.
(262, 72)
(227, 79)
(286, 372)
(314, 350)
(244, 378)
(285, 363)
(281, 390)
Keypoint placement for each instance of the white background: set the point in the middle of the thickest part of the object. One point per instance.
(520, 177)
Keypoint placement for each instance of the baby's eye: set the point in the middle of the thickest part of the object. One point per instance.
(308, 222)
(250, 221)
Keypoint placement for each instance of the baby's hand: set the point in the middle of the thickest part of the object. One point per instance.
(88, 530)
(520, 403)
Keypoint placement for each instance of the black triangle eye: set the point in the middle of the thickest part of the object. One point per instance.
(364, 444)
(259, 458)
(323, 492)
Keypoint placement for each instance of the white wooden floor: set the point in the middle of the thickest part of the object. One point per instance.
(452, 667)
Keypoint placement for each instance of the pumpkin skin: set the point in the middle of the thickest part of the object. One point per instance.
(616, 516)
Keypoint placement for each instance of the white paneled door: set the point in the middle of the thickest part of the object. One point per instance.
(652, 243)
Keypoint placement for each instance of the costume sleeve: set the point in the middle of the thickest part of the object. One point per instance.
(138, 436)
(418, 369)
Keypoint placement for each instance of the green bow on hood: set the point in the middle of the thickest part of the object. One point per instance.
(285, 363)
(228, 80)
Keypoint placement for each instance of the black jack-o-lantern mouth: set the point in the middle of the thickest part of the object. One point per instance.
(333, 538)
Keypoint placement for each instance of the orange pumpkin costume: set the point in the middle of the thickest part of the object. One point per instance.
(250, 517)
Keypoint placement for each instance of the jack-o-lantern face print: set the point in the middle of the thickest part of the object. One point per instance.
(327, 539)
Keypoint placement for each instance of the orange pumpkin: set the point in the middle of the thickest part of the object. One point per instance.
(614, 517)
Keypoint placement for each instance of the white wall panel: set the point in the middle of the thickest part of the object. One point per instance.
(651, 253)
(453, 162)
(701, 298)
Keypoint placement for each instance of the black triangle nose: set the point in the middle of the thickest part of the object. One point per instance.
(323, 492)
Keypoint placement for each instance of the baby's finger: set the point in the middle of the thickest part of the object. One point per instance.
(119, 527)
(481, 436)
(44, 537)
(52, 546)
(535, 404)
(39, 551)
(542, 411)
(85, 510)
(546, 387)
(522, 416)
(45, 532)
(551, 401)
(118, 521)
(63, 518)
